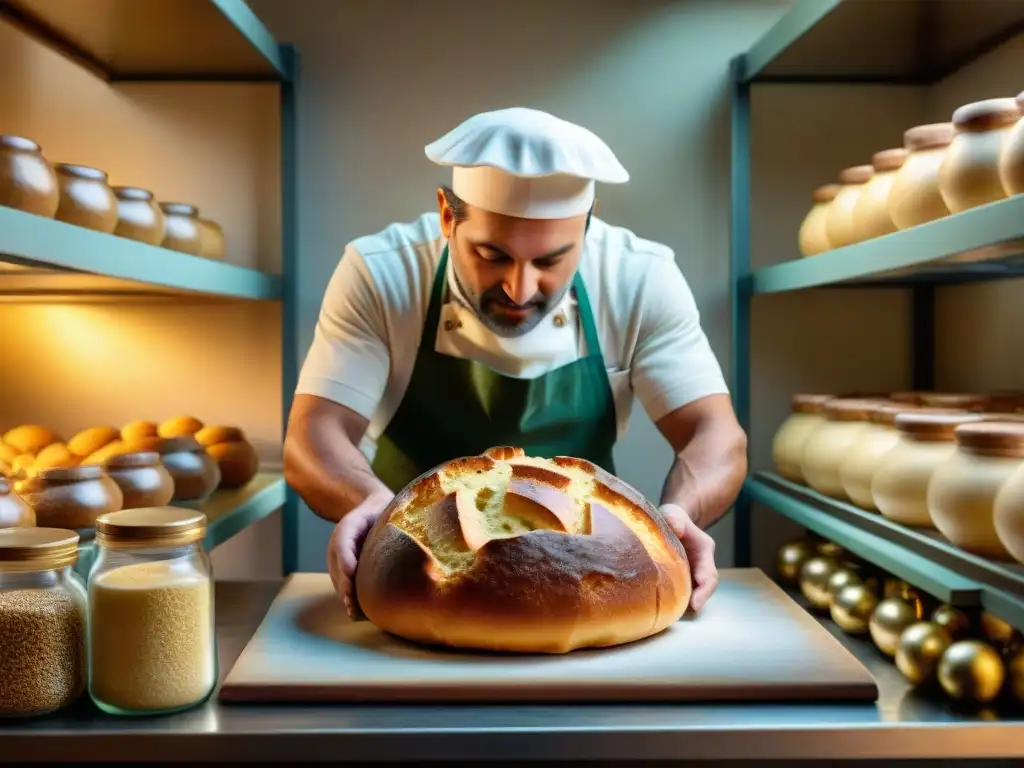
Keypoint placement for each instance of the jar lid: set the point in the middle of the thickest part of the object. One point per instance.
(149, 526)
(19, 143)
(70, 474)
(858, 174)
(848, 409)
(993, 438)
(986, 115)
(132, 193)
(1005, 402)
(907, 398)
(933, 425)
(177, 445)
(809, 403)
(825, 193)
(81, 171)
(955, 401)
(133, 459)
(37, 549)
(886, 413)
(179, 209)
(889, 159)
(928, 136)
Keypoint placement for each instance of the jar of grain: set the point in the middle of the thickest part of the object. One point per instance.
(806, 413)
(846, 419)
(899, 487)
(42, 622)
(963, 490)
(152, 642)
(812, 237)
(969, 175)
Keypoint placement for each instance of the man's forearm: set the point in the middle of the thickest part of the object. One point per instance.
(328, 470)
(707, 474)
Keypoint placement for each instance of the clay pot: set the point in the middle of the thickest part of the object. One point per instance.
(1011, 161)
(143, 479)
(839, 224)
(196, 474)
(138, 216)
(86, 199)
(182, 230)
(813, 237)
(234, 454)
(211, 239)
(871, 217)
(70, 497)
(914, 197)
(27, 182)
(969, 175)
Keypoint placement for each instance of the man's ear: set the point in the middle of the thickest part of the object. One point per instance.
(447, 216)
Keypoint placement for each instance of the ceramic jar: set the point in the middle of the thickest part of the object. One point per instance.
(1011, 161)
(826, 447)
(27, 181)
(807, 412)
(195, 473)
(234, 454)
(14, 512)
(1008, 515)
(969, 175)
(899, 487)
(839, 225)
(963, 490)
(871, 217)
(914, 197)
(71, 497)
(143, 479)
(813, 238)
(182, 230)
(211, 239)
(86, 199)
(138, 216)
(868, 453)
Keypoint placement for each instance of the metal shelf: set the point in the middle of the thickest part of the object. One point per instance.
(128, 40)
(944, 251)
(914, 42)
(920, 556)
(46, 257)
(228, 513)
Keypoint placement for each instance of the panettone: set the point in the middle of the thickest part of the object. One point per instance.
(505, 552)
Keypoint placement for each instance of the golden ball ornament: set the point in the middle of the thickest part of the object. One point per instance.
(1000, 635)
(841, 577)
(814, 578)
(894, 587)
(971, 671)
(853, 607)
(888, 621)
(831, 549)
(953, 620)
(1015, 669)
(791, 558)
(920, 650)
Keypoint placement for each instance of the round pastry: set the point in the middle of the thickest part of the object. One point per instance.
(30, 438)
(179, 426)
(505, 552)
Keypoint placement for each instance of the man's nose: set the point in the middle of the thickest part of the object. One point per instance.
(521, 283)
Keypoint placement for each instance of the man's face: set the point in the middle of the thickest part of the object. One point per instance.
(513, 271)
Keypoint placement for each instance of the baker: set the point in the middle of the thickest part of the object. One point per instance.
(510, 316)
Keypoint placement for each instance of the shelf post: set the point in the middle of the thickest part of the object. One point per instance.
(739, 268)
(290, 291)
(922, 338)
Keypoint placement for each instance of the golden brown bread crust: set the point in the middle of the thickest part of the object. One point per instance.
(504, 552)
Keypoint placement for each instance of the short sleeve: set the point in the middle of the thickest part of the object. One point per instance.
(673, 363)
(348, 361)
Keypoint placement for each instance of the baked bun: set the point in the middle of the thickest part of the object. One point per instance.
(504, 552)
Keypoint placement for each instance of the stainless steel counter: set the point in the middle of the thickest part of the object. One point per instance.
(901, 724)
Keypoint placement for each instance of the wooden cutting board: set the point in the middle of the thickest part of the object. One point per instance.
(751, 642)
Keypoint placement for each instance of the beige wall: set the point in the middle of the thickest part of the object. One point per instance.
(72, 365)
(382, 79)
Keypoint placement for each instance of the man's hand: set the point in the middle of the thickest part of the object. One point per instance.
(700, 550)
(346, 543)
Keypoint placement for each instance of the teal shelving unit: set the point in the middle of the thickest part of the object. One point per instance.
(40, 259)
(910, 43)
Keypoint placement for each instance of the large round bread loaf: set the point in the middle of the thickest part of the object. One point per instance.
(505, 552)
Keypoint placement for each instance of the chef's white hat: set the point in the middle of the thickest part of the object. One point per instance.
(526, 163)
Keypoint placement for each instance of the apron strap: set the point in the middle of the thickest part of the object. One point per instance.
(586, 317)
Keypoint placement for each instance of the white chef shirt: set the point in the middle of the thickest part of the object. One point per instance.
(368, 333)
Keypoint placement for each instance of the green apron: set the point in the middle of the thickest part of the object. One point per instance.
(455, 407)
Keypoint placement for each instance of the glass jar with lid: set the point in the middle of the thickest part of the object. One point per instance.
(899, 486)
(812, 237)
(866, 455)
(826, 447)
(871, 217)
(969, 175)
(963, 490)
(839, 224)
(914, 197)
(42, 622)
(807, 412)
(152, 641)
